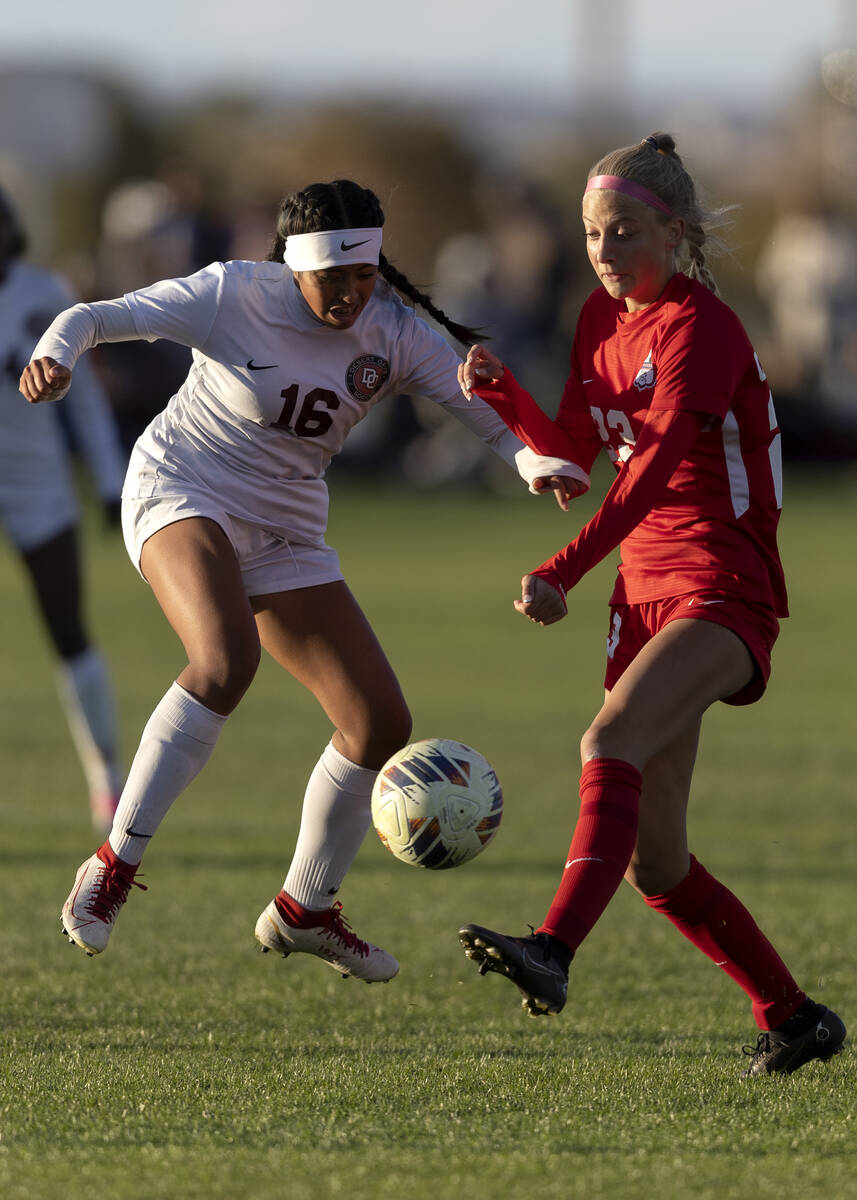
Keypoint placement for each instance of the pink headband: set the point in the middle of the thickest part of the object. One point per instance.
(615, 183)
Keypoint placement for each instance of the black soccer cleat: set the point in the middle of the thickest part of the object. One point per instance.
(537, 965)
(776, 1052)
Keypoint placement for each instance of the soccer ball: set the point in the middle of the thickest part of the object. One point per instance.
(436, 804)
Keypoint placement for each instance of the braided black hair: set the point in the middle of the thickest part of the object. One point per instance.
(344, 204)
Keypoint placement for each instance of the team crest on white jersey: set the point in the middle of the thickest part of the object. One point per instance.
(365, 375)
(645, 377)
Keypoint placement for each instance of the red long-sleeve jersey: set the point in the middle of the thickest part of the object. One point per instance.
(678, 398)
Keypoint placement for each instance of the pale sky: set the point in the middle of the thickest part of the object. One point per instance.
(748, 53)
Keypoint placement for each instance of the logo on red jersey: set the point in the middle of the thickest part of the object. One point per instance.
(365, 375)
(645, 377)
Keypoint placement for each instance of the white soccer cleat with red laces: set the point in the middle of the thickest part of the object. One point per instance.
(331, 941)
(100, 889)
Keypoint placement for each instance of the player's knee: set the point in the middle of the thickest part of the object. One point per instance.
(398, 733)
(391, 734)
(241, 666)
(611, 736)
(601, 740)
(373, 741)
(221, 674)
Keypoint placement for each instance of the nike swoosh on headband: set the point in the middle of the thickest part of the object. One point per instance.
(352, 245)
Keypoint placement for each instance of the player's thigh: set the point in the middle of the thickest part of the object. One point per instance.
(193, 571)
(321, 636)
(661, 858)
(676, 676)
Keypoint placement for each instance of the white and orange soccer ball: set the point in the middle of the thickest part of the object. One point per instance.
(436, 804)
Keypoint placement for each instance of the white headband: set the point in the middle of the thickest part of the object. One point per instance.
(332, 248)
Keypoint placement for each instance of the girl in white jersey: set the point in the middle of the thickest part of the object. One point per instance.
(39, 511)
(225, 511)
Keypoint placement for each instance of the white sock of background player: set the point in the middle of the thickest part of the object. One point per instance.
(86, 694)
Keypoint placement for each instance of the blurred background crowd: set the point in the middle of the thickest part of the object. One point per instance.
(116, 190)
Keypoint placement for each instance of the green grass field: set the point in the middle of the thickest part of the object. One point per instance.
(184, 1064)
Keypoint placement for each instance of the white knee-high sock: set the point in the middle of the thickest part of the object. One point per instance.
(336, 815)
(86, 694)
(176, 744)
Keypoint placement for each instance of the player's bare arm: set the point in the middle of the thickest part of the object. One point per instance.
(540, 601)
(43, 379)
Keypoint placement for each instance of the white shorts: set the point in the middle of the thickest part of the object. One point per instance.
(268, 561)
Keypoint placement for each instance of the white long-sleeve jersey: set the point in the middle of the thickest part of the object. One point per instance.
(273, 392)
(33, 451)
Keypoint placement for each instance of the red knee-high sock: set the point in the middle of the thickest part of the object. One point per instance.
(716, 921)
(601, 848)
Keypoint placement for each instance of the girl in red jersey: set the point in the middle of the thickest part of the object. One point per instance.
(664, 378)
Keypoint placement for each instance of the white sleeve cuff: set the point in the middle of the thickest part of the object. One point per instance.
(534, 466)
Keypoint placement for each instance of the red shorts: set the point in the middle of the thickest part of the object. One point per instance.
(633, 625)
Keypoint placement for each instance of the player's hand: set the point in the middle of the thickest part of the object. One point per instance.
(480, 366)
(564, 488)
(44, 379)
(540, 601)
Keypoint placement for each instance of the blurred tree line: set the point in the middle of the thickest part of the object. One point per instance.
(487, 222)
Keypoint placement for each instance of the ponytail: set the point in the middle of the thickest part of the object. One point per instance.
(654, 164)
